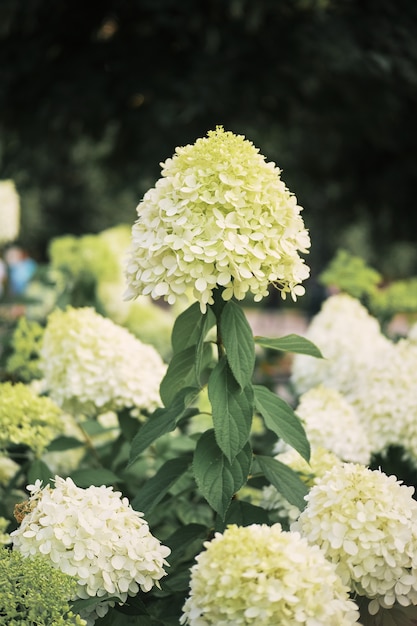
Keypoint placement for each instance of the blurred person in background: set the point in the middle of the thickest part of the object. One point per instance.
(20, 269)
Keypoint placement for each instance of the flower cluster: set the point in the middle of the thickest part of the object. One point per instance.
(262, 575)
(321, 460)
(33, 592)
(366, 524)
(91, 365)
(220, 216)
(9, 212)
(25, 344)
(94, 535)
(26, 418)
(349, 339)
(326, 414)
(385, 398)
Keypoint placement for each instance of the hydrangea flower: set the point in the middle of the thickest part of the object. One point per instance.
(9, 212)
(331, 422)
(385, 398)
(321, 460)
(33, 592)
(349, 339)
(262, 575)
(366, 524)
(220, 216)
(91, 365)
(26, 418)
(95, 535)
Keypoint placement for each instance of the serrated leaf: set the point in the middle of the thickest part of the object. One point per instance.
(237, 339)
(86, 477)
(290, 343)
(156, 487)
(232, 409)
(217, 479)
(284, 479)
(162, 421)
(190, 327)
(281, 419)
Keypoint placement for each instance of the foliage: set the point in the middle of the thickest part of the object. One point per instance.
(351, 274)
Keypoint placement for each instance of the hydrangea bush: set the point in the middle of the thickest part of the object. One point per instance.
(215, 460)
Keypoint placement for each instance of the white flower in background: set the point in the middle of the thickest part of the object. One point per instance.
(92, 365)
(366, 524)
(321, 461)
(262, 575)
(349, 339)
(95, 535)
(331, 422)
(9, 212)
(220, 216)
(385, 398)
(412, 333)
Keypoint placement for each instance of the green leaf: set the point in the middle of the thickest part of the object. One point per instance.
(284, 479)
(290, 343)
(217, 479)
(190, 327)
(38, 470)
(237, 339)
(182, 371)
(232, 409)
(64, 443)
(155, 488)
(162, 421)
(86, 477)
(243, 513)
(183, 537)
(281, 419)
(128, 425)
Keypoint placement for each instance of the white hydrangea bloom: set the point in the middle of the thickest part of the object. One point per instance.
(95, 535)
(321, 460)
(220, 216)
(385, 398)
(92, 365)
(331, 422)
(349, 339)
(262, 575)
(366, 524)
(9, 212)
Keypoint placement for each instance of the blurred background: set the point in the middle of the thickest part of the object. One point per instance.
(93, 96)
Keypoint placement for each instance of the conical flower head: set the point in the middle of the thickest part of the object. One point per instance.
(220, 216)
